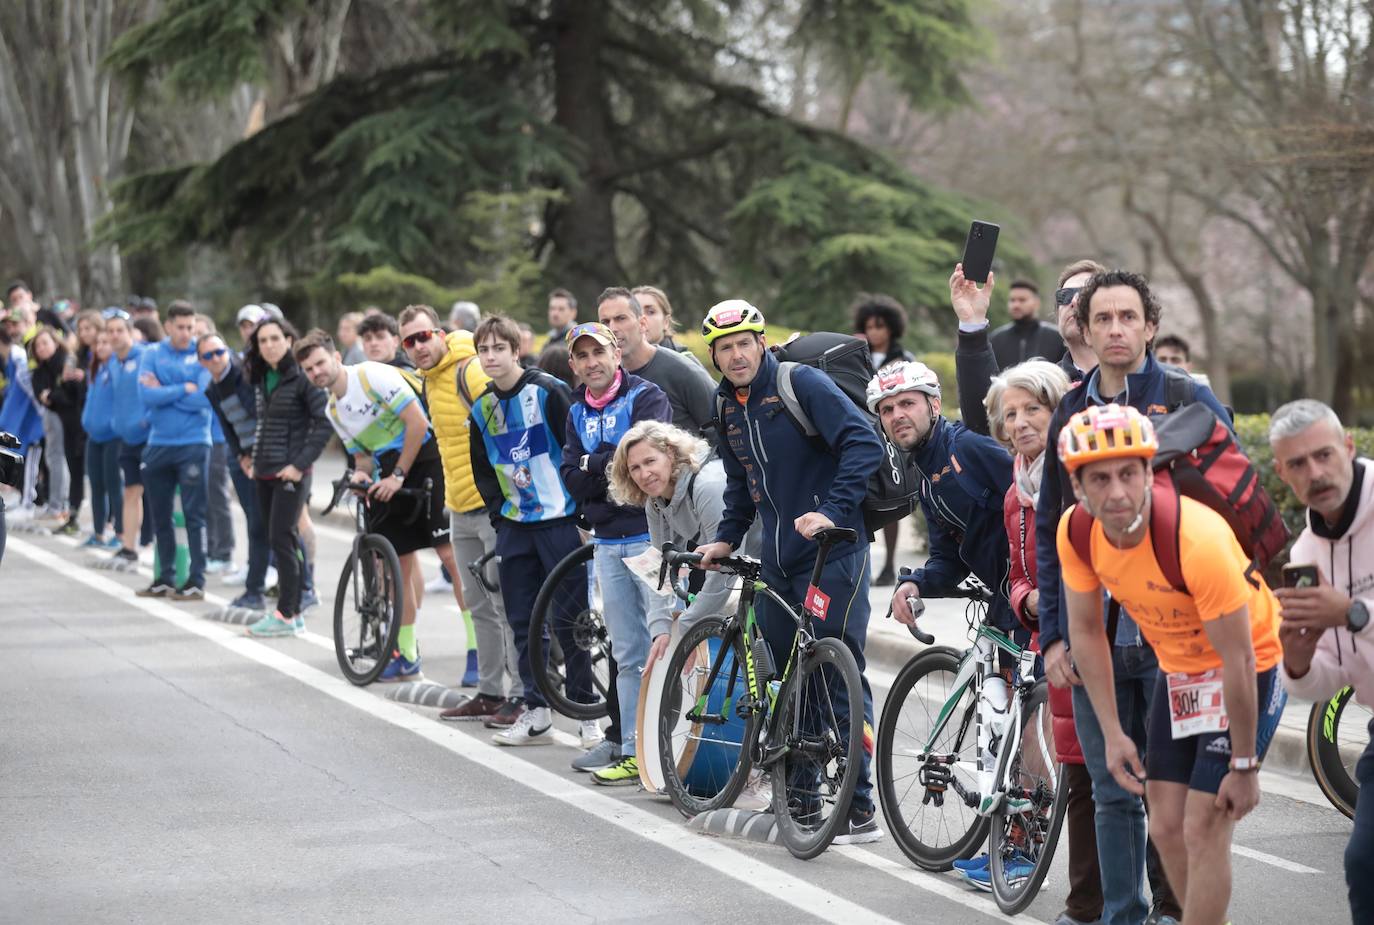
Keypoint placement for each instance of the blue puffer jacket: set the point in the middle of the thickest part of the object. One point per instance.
(1146, 391)
(130, 416)
(964, 480)
(176, 417)
(595, 434)
(772, 468)
(97, 418)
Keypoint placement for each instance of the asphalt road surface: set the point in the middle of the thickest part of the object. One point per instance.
(159, 766)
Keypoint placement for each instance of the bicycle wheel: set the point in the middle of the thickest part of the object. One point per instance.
(568, 607)
(367, 609)
(1335, 740)
(1025, 831)
(819, 738)
(703, 745)
(922, 783)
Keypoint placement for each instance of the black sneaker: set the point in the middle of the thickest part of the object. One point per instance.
(156, 589)
(506, 714)
(885, 578)
(188, 592)
(863, 829)
(127, 555)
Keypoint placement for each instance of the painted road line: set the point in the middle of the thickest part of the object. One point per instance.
(803, 895)
(1273, 860)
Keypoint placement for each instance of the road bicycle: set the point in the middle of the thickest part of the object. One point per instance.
(566, 621)
(726, 710)
(370, 599)
(1336, 737)
(966, 753)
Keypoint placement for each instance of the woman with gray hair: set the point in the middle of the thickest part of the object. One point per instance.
(1020, 403)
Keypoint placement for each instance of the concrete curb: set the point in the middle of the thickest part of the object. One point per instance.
(737, 823)
(427, 694)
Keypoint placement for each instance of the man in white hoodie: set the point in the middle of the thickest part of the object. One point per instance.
(1326, 634)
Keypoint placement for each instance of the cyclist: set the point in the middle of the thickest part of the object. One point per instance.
(608, 403)
(1326, 635)
(1217, 700)
(379, 419)
(797, 486)
(453, 378)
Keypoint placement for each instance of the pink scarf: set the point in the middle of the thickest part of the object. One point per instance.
(607, 396)
(1027, 478)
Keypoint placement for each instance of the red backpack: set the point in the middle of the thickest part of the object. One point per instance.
(1199, 458)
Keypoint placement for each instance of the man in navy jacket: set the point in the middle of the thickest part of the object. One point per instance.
(797, 486)
(608, 403)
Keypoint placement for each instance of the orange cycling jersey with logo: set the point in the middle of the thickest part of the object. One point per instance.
(1214, 570)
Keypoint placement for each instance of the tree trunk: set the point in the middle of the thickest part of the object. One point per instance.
(583, 226)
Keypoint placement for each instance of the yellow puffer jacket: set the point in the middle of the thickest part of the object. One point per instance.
(448, 413)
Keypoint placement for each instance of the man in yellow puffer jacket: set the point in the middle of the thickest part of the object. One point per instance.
(453, 380)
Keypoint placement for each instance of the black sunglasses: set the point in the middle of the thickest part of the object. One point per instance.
(420, 337)
(214, 353)
(1065, 296)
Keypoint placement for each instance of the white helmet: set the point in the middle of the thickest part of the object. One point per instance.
(906, 376)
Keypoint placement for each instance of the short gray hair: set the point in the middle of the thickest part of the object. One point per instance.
(1296, 416)
(464, 316)
(1045, 380)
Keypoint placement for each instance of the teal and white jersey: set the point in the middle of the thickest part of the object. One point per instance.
(368, 416)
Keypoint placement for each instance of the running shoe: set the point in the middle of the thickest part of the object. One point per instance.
(605, 754)
(534, 727)
(401, 668)
(621, 774)
(274, 625)
(863, 829)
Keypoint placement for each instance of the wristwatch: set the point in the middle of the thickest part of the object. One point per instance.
(1245, 765)
(398, 472)
(1357, 617)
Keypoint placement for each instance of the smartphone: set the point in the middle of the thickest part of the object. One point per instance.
(1300, 576)
(979, 250)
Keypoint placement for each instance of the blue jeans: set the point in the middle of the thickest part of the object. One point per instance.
(107, 485)
(625, 603)
(259, 547)
(846, 581)
(1122, 851)
(166, 469)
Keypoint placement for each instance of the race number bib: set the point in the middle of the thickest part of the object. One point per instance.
(1195, 704)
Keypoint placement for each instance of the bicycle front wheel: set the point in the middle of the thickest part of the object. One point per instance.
(1336, 738)
(819, 744)
(925, 776)
(1025, 828)
(567, 616)
(368, 606)
(703, 744)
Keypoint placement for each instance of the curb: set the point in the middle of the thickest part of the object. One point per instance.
(737, 823)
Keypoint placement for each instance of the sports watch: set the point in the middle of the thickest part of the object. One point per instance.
(1357, 617)
(1245, 765)
(398, 472)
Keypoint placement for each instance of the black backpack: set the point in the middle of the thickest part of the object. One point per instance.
(892, 493)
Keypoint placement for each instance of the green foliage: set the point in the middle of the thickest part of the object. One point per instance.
(943, 366)
(386, 287)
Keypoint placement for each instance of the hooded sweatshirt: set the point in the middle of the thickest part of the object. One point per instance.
(130, 416)
(176, 417)
(1344, 556)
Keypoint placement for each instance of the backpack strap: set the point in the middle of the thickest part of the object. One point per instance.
(464, 392)
(1080, 533)
(1164, 529)
(787, 391)
(1179, 388)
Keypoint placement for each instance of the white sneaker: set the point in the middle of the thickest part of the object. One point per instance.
(590, 733)
(238, 576)
(219, 567)
(534, 727)
(757, 795)
(439, 585)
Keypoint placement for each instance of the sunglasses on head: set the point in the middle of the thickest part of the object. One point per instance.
(420, 337)
(109, 313)
(1065, 296)
(212, 354)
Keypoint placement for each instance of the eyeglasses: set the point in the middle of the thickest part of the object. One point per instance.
(109, 313)
(420, 337)
(1065, 296)
(214, 354)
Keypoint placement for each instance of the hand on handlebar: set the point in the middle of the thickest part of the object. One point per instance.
(907, 604)
(713, 551)
(384, 489)
(808, 525)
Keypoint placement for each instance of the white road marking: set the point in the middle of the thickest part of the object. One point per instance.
(807, 897)
(1279, 862)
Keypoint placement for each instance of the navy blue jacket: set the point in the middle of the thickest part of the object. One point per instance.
(236, 408)
(1146, 391)
(773, 469)
(964, 480)
(595, 434)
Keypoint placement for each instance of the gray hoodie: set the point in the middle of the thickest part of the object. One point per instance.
(688, 521)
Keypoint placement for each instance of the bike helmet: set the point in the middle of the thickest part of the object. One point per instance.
(730, 317)
(1106, 432)
(906, 376)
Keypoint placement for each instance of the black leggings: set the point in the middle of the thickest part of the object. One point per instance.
(281, 504)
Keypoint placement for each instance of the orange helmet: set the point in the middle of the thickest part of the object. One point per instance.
(1106, 432)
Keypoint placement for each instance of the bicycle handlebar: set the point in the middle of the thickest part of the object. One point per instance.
(974, 592)
(423, 493)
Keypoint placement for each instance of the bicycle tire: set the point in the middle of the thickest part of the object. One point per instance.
(908, 826)
(1324, 752)
(371, 587)
(585, 630)
(823, 667)
(694, 790)
(1011, 897)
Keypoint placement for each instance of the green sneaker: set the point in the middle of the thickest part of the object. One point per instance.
(272, 626)
(623, 773)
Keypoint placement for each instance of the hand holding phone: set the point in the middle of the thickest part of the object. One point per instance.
(1300, 576)
(979, 249)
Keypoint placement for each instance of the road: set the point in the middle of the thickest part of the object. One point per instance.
(160, 766)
